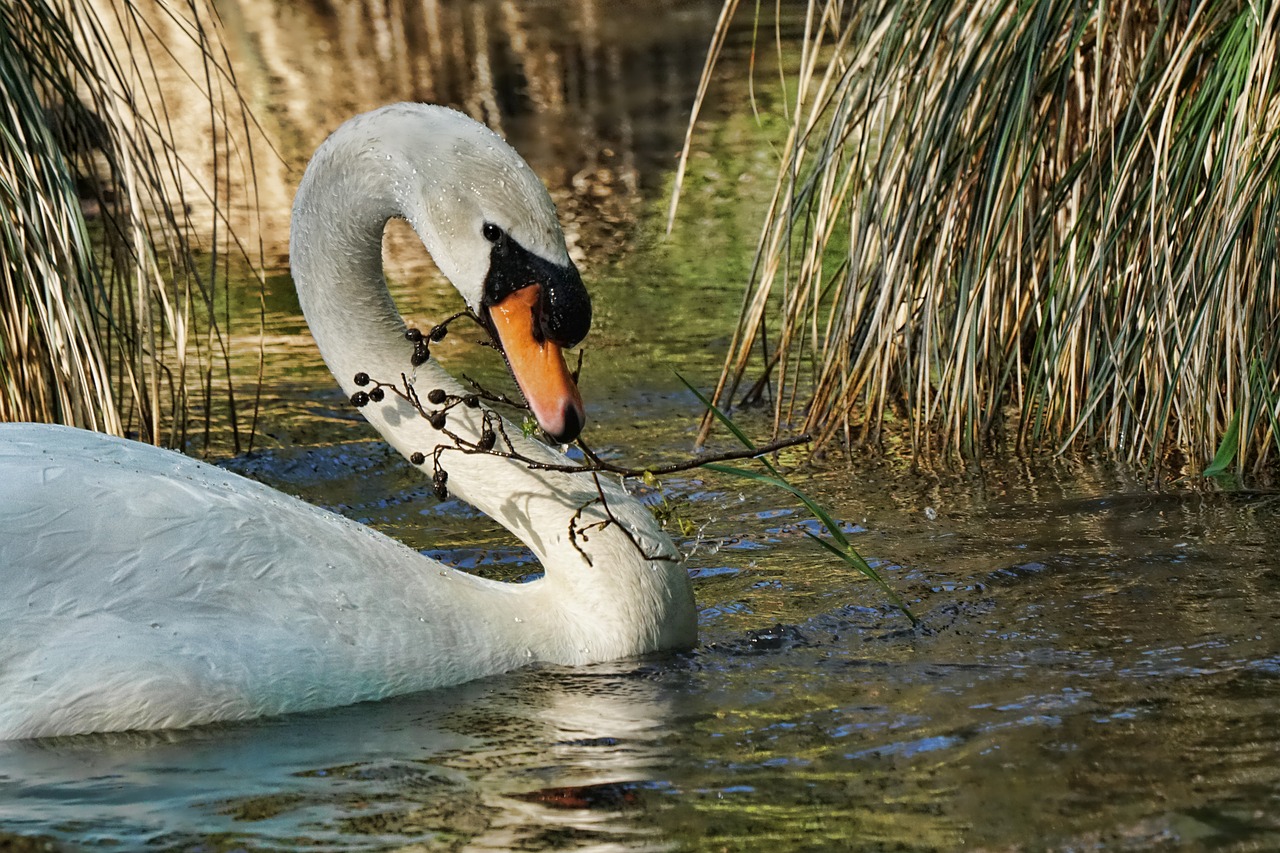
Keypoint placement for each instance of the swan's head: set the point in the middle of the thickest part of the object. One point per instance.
(491, 228)
(534, 308)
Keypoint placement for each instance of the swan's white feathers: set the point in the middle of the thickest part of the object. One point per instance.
(448, 176)
(253, 600)
(142, 589)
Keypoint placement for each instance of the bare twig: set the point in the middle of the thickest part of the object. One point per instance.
(575, 531)
(593, 463)
(494, 441)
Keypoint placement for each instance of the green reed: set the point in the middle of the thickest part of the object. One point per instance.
(839, 545)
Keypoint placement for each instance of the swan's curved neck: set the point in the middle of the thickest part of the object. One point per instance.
(610, 599)
(336, 258)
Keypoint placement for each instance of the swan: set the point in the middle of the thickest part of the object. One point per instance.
(142, 589)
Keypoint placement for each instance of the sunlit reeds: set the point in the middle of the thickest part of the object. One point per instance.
(109, 315)
(1038, 226)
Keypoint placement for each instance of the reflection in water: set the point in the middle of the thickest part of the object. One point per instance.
(594, 95)
(534, 759)
(1084, 677)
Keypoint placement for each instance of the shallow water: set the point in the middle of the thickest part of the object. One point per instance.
(1098, 664)
(1097, 668)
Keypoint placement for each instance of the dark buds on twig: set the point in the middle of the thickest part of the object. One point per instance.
(363, 398)
(421, 346)
(437, 333)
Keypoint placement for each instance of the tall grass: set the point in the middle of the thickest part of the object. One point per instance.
(109, 314)
(1037, 225)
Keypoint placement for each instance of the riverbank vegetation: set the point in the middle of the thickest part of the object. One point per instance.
(109, 314)
(1037, 227)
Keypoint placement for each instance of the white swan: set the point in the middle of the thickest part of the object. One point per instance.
(143, 589)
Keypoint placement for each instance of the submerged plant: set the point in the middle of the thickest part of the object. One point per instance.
(1047, 224)
(109, 315)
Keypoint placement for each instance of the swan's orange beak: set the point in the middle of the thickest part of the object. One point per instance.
(538, 364)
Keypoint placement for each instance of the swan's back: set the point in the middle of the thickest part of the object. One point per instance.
(142, 589)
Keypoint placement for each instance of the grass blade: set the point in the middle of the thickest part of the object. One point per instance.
(843, 549)
(1226, 450)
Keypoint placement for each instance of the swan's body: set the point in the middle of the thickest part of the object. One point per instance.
(143, 589)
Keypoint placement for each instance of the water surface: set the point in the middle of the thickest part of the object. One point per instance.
(1097, 668)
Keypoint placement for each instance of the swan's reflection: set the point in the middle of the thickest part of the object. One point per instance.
(550, 758)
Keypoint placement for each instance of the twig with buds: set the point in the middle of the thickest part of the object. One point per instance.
(494, 441)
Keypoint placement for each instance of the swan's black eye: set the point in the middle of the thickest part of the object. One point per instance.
(491, 232)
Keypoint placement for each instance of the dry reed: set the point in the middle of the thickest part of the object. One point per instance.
(109, 314)
(1044, 225)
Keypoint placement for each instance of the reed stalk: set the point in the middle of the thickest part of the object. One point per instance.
(1040, 226)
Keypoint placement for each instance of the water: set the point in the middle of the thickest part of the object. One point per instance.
(1097, 668)
(1098, 664)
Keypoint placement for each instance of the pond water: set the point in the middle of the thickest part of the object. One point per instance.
(1098, 664)
(1097, 668)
